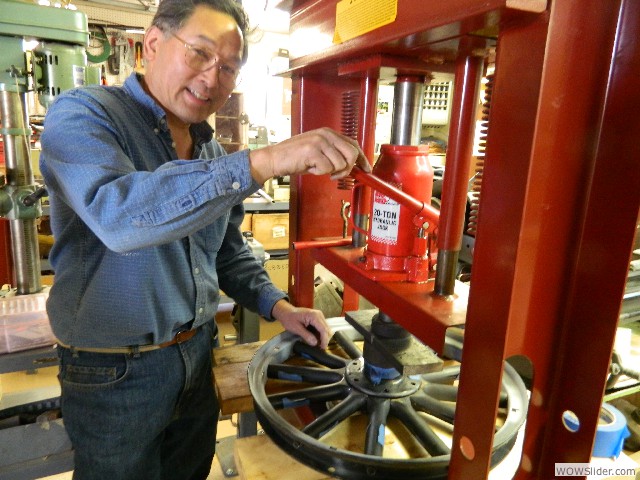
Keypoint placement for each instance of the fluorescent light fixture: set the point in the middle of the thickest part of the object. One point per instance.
(28, 45)
(138, 31)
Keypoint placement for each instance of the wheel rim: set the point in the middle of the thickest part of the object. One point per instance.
(330, 389)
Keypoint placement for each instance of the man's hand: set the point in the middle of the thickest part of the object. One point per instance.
(318, 152)
(307, 323)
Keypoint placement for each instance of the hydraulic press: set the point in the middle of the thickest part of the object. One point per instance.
(555, 219)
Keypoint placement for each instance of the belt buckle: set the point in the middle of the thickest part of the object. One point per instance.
(183, 336)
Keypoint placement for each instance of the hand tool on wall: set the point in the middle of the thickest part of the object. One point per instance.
(138, 55)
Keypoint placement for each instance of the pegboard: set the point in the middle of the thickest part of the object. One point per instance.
(437, 103)
(116, 17)
(112, 19)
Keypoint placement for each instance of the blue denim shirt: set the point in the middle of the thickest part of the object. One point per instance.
(144, 241)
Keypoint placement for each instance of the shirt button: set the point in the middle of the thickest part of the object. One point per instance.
(200, 310)
(156, 131)
(173, 144)
(235, 185)
(196, 270)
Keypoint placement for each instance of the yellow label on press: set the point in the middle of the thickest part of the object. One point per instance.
(357, 17)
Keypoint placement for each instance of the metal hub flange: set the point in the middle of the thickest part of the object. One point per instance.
(396, 388)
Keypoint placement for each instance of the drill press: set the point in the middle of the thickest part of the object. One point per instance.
(57, 62)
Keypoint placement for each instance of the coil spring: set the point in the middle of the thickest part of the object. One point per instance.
(476, 185)
(349, 127)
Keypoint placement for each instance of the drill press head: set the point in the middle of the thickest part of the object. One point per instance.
(57, 63)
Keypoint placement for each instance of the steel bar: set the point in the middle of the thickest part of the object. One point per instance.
(408, 99)
(325, 243)
(608, 97)
(515, 95)
(361, 197)
(24, 233)
(456, 180)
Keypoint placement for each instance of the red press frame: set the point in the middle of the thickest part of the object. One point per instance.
(559, 205)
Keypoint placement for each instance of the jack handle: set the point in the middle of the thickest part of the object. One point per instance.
(325, 243)
(426, 216)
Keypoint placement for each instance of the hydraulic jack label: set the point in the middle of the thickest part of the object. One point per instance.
(384, 219)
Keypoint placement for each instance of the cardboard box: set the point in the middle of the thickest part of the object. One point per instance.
(271, 230)
(278, 270)
(246, 226)
(281, 193)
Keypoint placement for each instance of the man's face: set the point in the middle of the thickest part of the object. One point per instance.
(186, 94)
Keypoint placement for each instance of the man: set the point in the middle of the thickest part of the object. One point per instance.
(145, 210)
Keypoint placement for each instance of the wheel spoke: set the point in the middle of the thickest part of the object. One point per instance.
(447, 393)
(296, 373)
(304, 396)
(443, 410)
(334, 416)
(319, 356)
(419, 428)
(446, 375)
(347, 345)
(374, 438)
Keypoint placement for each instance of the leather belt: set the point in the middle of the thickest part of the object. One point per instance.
(180, 337)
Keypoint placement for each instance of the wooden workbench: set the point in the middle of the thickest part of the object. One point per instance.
(230, 377)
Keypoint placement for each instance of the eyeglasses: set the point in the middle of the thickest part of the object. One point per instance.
(201, 59)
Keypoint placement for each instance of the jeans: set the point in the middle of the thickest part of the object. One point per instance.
(151, 416)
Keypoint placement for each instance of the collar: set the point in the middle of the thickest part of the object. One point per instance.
(201, 132)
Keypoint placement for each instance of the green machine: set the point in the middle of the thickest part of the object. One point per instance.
(42, 52)
(55, 63)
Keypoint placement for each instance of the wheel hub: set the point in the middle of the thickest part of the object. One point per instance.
(398, 387)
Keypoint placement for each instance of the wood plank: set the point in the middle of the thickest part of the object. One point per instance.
(258, 458)
(230, 377)
(232, 388)
(241, 353)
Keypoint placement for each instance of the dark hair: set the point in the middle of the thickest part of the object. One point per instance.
(172, 15)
